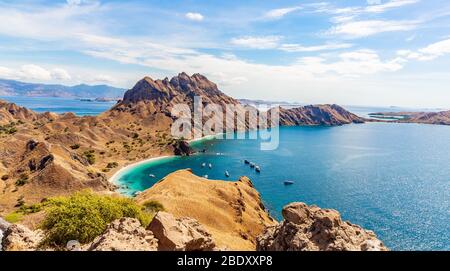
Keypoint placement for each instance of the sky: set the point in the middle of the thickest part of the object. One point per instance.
(357, 52)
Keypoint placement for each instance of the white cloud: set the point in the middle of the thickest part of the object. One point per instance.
(299, 48)
(273, 42)
(81, 2)
(265, 42)
(353, 64)
(389, 5)
(357, 29)
(103, 78)
(193, 16)
(47, 23)
(428, 53)
(373, 2)
(60, 74)
(32, 72)
(280, 12)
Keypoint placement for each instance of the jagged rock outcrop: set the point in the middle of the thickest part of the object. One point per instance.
(329, 115)
(232, 212)
(182, 148)
(4, 225)
(125, 234)
(180, 234)
(309, 228)
(10, 112)
(20, 238)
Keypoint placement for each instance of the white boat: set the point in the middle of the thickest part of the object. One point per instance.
(252, 165)
(205, 176)
(152, 175)
(258, 169)
(227, 174)
(210, 165)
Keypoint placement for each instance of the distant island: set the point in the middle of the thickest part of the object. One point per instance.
(438, 118)
(17, 88)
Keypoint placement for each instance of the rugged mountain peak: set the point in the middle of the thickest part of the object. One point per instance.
(183, 87)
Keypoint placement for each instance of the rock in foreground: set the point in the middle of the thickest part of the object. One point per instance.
(20, 238)
(232, 212)
(180, 234)
(125, 234)
(309, 228)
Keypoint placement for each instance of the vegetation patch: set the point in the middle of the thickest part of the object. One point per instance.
(13, 217)
(23, 179)
(112, 165)
(9, 128)
(90, 156)
(85, 215)
(153, 206)
(75, 146)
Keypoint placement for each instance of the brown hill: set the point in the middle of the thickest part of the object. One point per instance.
(82, 152)
(439, 118)
(326, 114)
(231, 211)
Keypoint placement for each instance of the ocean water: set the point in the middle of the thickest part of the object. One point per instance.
(61, 105)
(390, 178)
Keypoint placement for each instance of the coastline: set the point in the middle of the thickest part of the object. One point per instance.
(117, 174)
(113, 179)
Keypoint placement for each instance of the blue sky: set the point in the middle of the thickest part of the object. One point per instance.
(360, 52)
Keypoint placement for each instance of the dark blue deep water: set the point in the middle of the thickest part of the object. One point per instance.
(390, 178)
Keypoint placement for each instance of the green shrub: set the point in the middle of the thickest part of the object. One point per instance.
(23, 179)
(84, 215)
(13, 217)
(75, 146)
(153, 206)
(112, 165)
(90, 156)
(31, 209)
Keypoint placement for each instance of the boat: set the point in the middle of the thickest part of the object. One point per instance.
(152, 175)
(252, 165)
(288, 182)
(204, 165)
(205, 176)
(246, 162)
(258, 169)
(227, 174)
(210, 165)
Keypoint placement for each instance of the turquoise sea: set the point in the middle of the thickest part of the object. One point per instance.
(390, 178)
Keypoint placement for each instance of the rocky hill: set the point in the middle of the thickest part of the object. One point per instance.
(329, 115)
(309, 228)
(16, 88)
(47, 154)
(231, 211)
(438, 118)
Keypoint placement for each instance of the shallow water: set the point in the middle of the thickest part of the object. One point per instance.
(390, 178)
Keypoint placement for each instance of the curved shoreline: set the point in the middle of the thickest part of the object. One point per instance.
(117, 174)
(113, 179)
